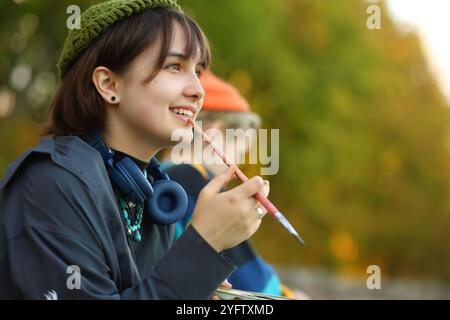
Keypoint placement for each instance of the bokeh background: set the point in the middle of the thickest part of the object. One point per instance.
(364, 130)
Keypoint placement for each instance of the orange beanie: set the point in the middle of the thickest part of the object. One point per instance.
(221, 96)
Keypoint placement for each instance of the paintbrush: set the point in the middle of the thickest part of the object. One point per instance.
(271, 209)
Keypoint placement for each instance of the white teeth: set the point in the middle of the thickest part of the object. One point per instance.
(183, 112)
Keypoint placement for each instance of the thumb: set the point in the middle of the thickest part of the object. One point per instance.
(249, 188)
(225, 284)
(218, 182)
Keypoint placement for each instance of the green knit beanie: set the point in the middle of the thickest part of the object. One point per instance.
(96, 20)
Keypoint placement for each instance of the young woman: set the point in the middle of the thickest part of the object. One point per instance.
(88, 213)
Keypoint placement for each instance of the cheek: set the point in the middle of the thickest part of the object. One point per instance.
(144, 106)
(146, 109)
(147, 112)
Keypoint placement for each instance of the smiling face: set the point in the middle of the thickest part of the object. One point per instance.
(154, 96)
(153, 110)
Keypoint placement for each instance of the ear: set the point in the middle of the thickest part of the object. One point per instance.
(107, 84)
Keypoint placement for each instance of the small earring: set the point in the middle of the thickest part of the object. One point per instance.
(113, 98)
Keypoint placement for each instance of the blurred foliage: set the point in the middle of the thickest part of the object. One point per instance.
(364, 150)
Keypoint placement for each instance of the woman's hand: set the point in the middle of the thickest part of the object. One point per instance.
(225, 285)
(225, 219)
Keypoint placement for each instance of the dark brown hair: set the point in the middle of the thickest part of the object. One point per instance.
(77, 107)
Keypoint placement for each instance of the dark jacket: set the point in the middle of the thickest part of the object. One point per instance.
(253, 273)
(58, 213)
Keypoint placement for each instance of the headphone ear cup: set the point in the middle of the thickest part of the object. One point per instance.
(168, 203)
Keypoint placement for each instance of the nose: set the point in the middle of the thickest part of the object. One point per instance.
(194, 89)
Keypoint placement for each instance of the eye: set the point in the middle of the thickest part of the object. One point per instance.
(174, 66)
(199, 73)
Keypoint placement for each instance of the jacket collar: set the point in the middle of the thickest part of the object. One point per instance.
(69, 152)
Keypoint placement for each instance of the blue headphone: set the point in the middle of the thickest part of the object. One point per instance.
(165, 201)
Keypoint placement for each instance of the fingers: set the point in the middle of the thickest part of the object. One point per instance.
(218, 182)
(266, 188)
(226, 284)
(260, 211)
(265, 191)
(248, 188)
(256, 224)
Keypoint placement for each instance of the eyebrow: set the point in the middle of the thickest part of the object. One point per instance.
(183, 57)
(178, 55)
